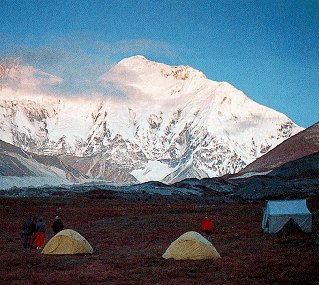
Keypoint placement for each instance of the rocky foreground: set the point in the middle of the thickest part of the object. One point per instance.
(130, 236)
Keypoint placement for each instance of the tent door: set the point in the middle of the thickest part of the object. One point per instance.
(290, 227)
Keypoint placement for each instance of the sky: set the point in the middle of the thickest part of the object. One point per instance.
(268, 49)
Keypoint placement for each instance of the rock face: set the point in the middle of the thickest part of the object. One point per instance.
(22, 169)
(298, 146)
(294, 179)
(166, 123)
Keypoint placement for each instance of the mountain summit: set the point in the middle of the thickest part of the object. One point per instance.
(169, 123)
(153, 80)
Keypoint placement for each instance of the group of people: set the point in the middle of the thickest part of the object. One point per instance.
(33, 231)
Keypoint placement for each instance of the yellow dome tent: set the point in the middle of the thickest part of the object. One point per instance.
(191, 245)
(67, 242)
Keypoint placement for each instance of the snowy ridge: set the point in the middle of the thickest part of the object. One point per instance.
(172, 123)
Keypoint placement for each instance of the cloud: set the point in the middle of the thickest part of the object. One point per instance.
(80, 59)
(40, 56)
(17, 76)
(36, 77)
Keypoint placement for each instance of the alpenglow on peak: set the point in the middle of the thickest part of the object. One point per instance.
(172, 123)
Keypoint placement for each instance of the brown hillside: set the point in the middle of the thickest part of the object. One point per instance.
(300, 145)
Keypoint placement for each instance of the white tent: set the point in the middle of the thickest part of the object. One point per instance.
(277, 214)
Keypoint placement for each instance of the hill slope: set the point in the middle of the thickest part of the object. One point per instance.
(23, 169)
(300, 145)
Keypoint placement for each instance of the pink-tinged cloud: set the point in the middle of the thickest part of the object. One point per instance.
(27, 78)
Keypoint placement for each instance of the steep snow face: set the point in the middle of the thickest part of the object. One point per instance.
(154, 81)
(171, 123)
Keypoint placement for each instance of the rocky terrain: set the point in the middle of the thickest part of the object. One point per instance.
(19, 168)
(297, 179)
(294, 179)
(298, 146)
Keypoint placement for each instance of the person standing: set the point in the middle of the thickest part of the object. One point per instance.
(207, 227)
(33, 231)
(40, 232)
(316, 227)
(26, 232)
(57, 225)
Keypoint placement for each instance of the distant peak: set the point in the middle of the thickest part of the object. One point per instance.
(182, 72)
(134, 58)
(138, 57)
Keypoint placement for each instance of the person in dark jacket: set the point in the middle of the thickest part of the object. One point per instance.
(316, 227)
(26, 232)
(33, 231)
(57, 225)
(40, 231)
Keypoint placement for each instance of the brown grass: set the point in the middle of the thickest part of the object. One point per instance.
(130, 237)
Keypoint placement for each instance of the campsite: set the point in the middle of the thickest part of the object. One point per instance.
(159, 142)
(129, 238)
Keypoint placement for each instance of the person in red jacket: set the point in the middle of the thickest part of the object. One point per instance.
(207, 227)
(40, 232)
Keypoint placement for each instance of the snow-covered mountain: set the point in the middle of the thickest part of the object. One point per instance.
(167, 123)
